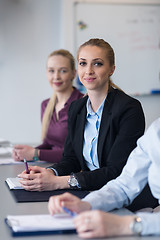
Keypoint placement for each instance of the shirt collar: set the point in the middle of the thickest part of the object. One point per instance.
(90, 110)
(74, 96)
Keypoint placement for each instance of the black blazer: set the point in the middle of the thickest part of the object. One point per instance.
(121, 125)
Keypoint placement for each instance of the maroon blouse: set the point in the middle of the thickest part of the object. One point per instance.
(52, 147)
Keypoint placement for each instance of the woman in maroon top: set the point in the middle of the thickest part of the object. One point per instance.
(54, 111)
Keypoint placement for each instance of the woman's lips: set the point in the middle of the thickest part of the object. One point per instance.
(57, 83)
(89, 79)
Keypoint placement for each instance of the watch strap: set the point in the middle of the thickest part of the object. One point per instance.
(35, 157)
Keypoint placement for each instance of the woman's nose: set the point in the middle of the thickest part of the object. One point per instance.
(56, 75)
(89, 69)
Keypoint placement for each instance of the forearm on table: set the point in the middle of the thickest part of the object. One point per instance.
(50, 155)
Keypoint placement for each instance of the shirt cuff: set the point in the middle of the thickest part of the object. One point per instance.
(54, 170)
(150, 223)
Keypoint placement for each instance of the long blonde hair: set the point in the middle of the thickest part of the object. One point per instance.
(109, 54)
(51, 104)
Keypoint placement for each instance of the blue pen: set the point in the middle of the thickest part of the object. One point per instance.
(73, 214)
(26, 166)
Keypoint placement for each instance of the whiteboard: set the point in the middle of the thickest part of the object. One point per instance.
(133, 30)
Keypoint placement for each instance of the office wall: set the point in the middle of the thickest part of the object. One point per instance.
(150, 103)
(29, 31)
(133, 32)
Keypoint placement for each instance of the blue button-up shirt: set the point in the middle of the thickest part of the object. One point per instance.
(93, 120)
(143, 166)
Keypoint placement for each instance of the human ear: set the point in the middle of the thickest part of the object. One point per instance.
(74, 74)
(112, 70)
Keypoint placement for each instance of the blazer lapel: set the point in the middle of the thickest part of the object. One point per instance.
(105, 123)
(80, 125)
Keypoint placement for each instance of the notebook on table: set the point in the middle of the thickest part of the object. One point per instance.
(22, 225)
(13, 183)
(21, 195)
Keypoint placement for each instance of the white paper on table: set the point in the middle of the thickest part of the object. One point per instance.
(9, 160)
(5, 148)
(44, 222)
(14, 183)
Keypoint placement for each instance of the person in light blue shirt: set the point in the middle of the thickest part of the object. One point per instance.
(91, 131)
(143, 166)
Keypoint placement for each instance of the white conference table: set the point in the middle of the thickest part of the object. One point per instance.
(8, 206)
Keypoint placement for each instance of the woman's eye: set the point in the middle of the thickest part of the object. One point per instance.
(82, 63)
(98, 64)
(63, 71)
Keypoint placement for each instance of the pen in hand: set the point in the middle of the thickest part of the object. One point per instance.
(72, 214)
(26, 166)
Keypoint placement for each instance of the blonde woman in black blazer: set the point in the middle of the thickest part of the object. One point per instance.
(122, 123)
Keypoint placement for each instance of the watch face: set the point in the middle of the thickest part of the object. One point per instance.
(138, 227)
(73, 182)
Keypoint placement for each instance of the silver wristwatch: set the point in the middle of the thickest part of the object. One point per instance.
(136, 226)
(73, 182)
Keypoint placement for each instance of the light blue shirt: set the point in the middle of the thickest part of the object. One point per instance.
(143, 166)
(91, 132)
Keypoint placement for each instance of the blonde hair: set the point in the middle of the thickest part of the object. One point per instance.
(109, 54)
(51, 104)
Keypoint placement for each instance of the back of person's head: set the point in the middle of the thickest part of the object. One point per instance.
(64, 53)
(101, 43)
(51, 104)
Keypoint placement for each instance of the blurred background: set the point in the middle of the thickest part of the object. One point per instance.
(29, 31)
